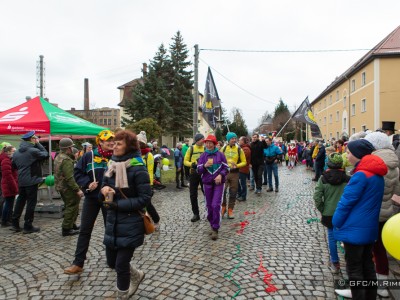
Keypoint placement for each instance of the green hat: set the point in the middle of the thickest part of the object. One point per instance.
(335, 161)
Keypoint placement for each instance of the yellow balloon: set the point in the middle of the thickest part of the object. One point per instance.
(391, 236)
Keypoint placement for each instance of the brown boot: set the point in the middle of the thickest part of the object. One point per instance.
(73, 270)
(223, 211)
(214, 235)
(230, 214)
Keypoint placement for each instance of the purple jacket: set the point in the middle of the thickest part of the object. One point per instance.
(219, 166)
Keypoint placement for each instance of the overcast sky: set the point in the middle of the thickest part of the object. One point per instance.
(107, 42)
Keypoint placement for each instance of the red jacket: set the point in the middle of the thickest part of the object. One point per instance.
(9, 177)
(247, 152)
(292, 151)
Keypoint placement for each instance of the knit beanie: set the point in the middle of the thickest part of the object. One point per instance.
(335, 161)
(142, 137)
(230, 135)
(357, 136)
(379, 140)
(198, 137)
(360, 148)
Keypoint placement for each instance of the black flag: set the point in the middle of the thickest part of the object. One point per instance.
(211, 100)
(305, 115)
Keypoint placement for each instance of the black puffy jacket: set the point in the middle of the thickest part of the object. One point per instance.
(124, 226)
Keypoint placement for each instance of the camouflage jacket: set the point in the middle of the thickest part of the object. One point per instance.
(64, 173)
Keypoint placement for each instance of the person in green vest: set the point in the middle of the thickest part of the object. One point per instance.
(66, 185)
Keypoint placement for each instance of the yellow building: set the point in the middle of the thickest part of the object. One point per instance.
(364, 95)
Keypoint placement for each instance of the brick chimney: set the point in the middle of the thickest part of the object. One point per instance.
(86, 95)
(144, 70)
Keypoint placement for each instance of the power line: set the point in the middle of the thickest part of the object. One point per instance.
(235, 84)
(297, 51)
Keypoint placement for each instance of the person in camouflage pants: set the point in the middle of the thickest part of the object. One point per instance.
(67, 187)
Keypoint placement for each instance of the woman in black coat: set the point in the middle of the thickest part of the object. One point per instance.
(126, 192)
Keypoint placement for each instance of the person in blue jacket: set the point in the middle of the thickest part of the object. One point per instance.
(271, 163)
(356, 218)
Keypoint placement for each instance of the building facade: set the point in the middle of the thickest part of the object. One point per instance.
(364, 95)
(105, 116)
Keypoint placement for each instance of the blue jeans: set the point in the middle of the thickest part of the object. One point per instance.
(265, 179)
(242, 187)
(252, 184)
(27, 195)
(7, 209)
(273, 168)
(332, 246)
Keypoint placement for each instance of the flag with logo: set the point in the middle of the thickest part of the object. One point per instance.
(305, 115)
(211, 100)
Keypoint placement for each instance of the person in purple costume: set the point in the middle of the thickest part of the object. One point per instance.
(213, 168)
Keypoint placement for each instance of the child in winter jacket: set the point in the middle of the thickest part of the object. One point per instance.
(327, 194)
(356, 218)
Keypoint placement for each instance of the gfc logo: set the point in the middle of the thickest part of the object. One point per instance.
(14, 116)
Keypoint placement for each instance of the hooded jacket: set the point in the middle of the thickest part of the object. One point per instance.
(356, 217)
(327, 193)
(9, 178)
(27, 159)
(392, 184)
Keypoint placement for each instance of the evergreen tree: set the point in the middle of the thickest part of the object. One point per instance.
(238, 125)
(225, 122)
(281, 116)
(151, 99)
(180, 88)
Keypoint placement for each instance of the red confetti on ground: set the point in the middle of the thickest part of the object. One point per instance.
(267, 277)
(242, 226)
(246, 213)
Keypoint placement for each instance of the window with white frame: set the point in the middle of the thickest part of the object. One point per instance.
(330, 135)
(364, 127)
(337, 96)
(337, 116)
(344, 101)
(363, 79)
(324, 120)
(353, 109)
(330, 118)
(337, 135)
(344, 123)
(353, 130)
(330, 99)
(363, 105)
(353, 85)
(325, 103)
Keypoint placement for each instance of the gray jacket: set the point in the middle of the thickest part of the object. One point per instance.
(392, 184)
(27, 160)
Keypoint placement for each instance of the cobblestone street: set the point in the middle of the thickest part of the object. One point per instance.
(180, 260)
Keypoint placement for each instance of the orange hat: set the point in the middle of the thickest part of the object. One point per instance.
(211, 138)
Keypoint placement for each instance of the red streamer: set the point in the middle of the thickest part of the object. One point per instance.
(267, 277)
(246, 213)
(242, 226)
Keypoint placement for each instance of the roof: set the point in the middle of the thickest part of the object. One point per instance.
(389, 46)
(128, 87)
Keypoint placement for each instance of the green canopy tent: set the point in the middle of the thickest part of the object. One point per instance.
(45, 119)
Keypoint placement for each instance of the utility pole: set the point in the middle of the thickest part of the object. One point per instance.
(40, 76)
(196, 89)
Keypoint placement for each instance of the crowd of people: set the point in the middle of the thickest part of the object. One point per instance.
(117, 176)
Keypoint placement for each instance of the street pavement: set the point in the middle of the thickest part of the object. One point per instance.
(274, 249)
